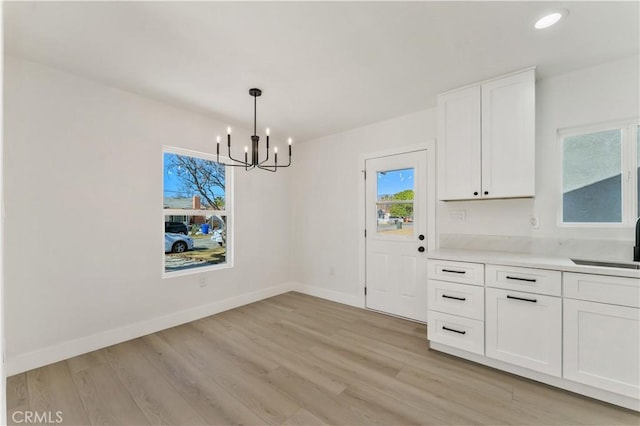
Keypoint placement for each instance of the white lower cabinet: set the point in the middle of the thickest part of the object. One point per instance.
(524, 329)
(459, 332)
(576, 331)
(602, 346)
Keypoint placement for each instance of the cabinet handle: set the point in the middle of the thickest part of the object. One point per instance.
(455, 331)
(531, 280)
(524, 299)
(454, 271)
(475, 193)
(453, 297)
(486, 192)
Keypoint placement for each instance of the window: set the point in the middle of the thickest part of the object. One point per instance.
(600, 180)
(197, 212)
(394, 202)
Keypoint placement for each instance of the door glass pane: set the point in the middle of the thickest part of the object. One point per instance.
(394, 202)
(592, 177)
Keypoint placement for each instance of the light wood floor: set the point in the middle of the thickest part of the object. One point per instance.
(293, 359)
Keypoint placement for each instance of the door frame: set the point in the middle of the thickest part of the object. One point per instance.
(432, 239)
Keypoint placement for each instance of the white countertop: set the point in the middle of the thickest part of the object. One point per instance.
(557, 263)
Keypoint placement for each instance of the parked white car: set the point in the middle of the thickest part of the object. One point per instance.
(218, 237)
(177, 243)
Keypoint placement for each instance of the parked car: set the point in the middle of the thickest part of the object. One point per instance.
(218, 237)
(177, 243)
(176, 228)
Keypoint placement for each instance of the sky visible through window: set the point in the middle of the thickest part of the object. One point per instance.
(391, 182)
(175, 185)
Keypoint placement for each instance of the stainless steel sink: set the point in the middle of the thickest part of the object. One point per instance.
(606, 264)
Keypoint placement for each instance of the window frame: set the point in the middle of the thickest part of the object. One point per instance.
(228, 212)
(629, 172)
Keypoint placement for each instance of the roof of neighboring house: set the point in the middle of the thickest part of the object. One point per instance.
(178, 203)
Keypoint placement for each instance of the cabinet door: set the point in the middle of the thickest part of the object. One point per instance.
(459, 144)
(602, 346)
(524, 329)
(508, 136)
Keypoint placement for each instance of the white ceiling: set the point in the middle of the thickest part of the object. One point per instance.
(324, 67)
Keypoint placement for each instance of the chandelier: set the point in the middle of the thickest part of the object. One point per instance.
(254, 161)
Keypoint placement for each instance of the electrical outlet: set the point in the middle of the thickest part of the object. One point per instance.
(534, 222)
(203, 280)
(332, 271)
(458, 216)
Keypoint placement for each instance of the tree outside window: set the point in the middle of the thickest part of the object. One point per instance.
(196, 210)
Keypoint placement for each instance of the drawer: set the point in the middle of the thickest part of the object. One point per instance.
(458, 332)
(456, 299)
(602, 288)
(459, 272)
(540, 281)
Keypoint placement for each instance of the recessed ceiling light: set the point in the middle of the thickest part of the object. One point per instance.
(550, 19)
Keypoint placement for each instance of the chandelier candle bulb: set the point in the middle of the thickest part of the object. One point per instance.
(290, 147)
(217, 145)
(268, 141)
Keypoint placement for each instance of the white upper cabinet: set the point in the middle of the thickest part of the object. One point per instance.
(459, 126)
(486, 139)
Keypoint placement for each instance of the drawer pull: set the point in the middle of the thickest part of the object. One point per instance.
(531, 280)
(454, 271)
(524, 299)
(455, 331)
(453, 297)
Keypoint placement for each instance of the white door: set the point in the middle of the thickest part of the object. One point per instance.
(396, 234)
(524, 329)
(602, 346)
(508, 136)
(459, 144)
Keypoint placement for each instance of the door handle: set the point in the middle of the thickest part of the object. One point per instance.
(421, 249)
(524, 299)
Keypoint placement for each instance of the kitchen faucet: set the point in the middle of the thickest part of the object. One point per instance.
(636, 249)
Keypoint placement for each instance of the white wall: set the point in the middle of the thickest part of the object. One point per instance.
(326, 226)
(3, 374)
(83, 173)
(598, 94)
(326, 178)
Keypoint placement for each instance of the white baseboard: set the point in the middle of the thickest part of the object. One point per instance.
(335, 296)
(69, 349)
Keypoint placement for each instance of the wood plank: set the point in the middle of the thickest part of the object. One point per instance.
(105, 399)
(157, 399)
(303, 418)
(569, 407)
(235, 346)
(254, 391)
(88, 360)
(316, 400)
(17, 398)
(297, 361)
(53, 393)
(209, 399)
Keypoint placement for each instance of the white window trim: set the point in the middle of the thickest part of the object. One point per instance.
(228, 212)
(629, 190)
